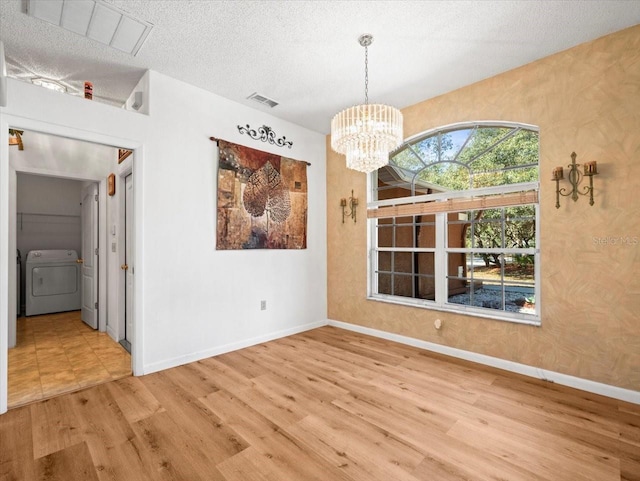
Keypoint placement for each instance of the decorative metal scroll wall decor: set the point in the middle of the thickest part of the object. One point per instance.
(266, 134)
(575, 177)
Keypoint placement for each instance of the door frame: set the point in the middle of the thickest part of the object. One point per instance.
(8, 175)
(124, 171)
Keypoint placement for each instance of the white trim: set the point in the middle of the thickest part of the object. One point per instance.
(602, 389)
(458, 194)
(234, 346)
(7, 234)
(468, 124)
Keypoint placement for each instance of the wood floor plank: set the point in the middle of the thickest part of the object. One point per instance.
(361, 451)
(283, 457)
(73, 462)
(173, 453)
(322, 405)
(135, 400)
(439, 448)
(193, 417)
(55, 426)
(248, 422)
(16, 447)
(196, 381)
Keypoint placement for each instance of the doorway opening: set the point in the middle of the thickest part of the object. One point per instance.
(69, 348)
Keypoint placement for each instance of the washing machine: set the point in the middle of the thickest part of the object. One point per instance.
(52, 282)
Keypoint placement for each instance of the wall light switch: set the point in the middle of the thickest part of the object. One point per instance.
(113, 247)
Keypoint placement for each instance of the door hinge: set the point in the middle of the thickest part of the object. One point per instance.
(96, 305)
(96, 250)
(96, 197)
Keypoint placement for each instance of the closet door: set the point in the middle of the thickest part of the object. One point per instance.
(89, 255)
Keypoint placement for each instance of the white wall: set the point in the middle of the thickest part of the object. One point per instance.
(191, 301)
(199, 301)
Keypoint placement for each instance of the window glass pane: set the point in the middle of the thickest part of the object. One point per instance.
(452, 142)
(481, 144)
(404, 220)
(384, 261)
(384, 283)
(407, 160)
(509, 286)
(520, 226)
(427, 149)
(458, 229)
(426, 231)
(504, 177)
(425, 268)
(403, 285)
(404, 236)
(446, 176)
(403, 262)
(385, 235)
(486, 228)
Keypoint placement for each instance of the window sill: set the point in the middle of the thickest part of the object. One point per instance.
(526, 319)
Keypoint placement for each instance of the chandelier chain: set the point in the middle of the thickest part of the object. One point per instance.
(366, 75)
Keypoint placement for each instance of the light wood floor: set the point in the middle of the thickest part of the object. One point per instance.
(326, 405)
(57, 353)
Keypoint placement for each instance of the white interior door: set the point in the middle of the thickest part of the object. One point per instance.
(89, 255)
(129, 270)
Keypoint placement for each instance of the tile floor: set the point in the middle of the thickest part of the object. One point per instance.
(57, 353)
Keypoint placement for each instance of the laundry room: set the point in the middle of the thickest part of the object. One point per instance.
(49, 242)
(52, 176)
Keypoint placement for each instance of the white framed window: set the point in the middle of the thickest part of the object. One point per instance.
(454, 222)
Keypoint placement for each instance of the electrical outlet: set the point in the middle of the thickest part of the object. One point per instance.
(263, 305)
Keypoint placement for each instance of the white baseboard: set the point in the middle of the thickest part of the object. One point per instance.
(575, 382)
(112, 333)
(234, 346)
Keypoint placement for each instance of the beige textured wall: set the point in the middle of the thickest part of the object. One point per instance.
(587, 100)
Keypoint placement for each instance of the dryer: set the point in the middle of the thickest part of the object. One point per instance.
(52, 282)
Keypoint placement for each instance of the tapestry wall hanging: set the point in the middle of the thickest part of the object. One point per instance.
(262, 200)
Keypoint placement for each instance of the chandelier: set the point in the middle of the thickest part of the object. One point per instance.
(366, 133)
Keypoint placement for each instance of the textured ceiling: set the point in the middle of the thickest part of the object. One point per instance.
(305, 54)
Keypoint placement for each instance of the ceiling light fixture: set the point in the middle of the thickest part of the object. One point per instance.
(366, 134)
(94, 19)
(49, 84)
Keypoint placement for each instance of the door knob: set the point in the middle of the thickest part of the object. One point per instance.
(124, 267)
(80, 261)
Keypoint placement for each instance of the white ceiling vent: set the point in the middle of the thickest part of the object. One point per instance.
(94, 19)
(262, 99)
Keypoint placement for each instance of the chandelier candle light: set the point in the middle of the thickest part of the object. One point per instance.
(366, 133)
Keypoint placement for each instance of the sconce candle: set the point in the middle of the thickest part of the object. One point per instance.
(558, 173)
(590, 168)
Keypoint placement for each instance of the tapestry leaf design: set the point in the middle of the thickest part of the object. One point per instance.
(266, 191)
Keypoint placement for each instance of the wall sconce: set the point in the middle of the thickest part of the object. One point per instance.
(352, 203)
(575, 177)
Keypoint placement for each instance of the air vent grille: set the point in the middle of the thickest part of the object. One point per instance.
(97, 20)
(262, 99)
